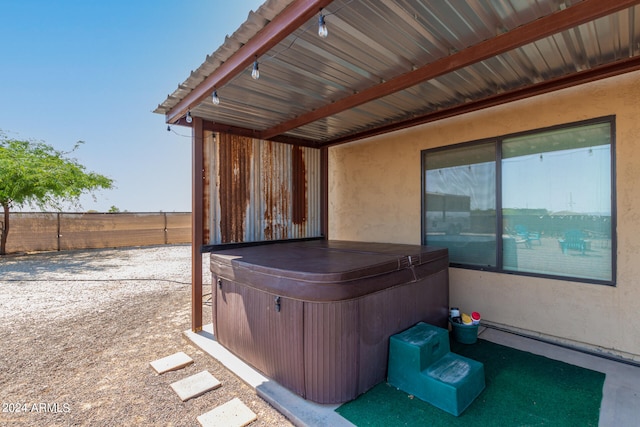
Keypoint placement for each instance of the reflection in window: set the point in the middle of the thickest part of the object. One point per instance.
(554, 199)
(460, 203)
(556, 194)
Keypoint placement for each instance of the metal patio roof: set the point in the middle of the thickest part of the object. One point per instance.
(390, 64)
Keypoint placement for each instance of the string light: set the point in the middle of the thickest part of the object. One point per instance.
(214, 98)
(189, 119)
(255, 73)
(322, 26)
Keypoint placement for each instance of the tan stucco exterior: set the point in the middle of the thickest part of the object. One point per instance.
(375, 195)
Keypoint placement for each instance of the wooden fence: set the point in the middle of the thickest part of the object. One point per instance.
(32, 232)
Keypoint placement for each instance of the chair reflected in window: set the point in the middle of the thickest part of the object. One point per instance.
(523, 235)
(574, 240)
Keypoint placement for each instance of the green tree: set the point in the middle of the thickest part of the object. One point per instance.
(35, 173)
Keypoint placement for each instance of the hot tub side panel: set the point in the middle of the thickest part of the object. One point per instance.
(263, 331)
(331, 350)
(387, 313)
(346, 344)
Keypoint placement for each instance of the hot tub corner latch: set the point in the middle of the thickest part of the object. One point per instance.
(219, 283)
(277, 301)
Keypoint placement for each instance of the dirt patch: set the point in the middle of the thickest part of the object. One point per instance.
(80, 328)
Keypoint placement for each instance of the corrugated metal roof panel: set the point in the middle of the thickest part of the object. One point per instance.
(254, 23)
(373, 42)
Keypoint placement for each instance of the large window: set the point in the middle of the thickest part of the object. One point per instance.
(536, 203)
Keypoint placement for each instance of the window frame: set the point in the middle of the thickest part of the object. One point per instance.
(498, 141)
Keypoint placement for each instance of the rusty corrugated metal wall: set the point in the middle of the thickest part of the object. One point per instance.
(261, 190)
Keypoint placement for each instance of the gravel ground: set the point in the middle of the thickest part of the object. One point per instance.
(80, 328)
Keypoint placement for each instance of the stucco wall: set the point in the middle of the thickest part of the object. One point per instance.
(374, 195)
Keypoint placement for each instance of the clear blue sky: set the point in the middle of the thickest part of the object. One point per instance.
(94, 71)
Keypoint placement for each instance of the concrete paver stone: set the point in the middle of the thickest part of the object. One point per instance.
(234, 413)
(195, 385)
(171, 363)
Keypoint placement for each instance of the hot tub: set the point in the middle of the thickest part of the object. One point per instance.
(316, 316)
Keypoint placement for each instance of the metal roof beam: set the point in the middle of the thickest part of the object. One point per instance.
(294, 16)
(250, 133)
(583, 12)
(582, 77)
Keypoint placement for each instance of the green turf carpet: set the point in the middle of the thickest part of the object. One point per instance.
(522, 389)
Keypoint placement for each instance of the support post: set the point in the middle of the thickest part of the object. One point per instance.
(58, 231)
(324, 191)
(197, 226)
(166, 230)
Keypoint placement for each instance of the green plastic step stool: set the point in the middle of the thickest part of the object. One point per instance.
(421, 364)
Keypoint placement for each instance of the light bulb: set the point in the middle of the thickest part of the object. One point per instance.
(255, 73)
(214, 98)
(189, 118)
(322, 27)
